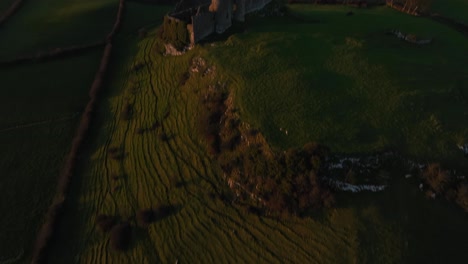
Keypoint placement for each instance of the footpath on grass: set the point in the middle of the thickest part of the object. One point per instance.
(52, 218)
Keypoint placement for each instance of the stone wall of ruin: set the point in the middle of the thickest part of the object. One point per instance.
(215, 17)
(203, 24)
(239, 13)
(223, 14)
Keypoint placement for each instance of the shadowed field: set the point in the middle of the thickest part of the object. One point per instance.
(4, 5)
(37, 125)
(44, 25)
(455, 9)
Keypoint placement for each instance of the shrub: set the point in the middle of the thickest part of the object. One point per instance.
(121, 236)
(142, 33)
(127, 112)
(163, 136)
(145, 217)
(435, 177)
(164, 211)
(105, 222)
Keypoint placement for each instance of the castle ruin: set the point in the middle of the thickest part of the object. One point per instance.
(205, 17)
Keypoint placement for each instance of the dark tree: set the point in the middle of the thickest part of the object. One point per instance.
(121, 236)
(105, 222)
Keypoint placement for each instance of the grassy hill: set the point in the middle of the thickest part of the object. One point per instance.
(180, 173)
(344, 81)
(290, 71)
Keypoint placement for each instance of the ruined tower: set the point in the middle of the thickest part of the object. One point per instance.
(239, 12)
(223, 14)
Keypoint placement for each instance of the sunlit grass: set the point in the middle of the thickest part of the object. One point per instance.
(343, 81)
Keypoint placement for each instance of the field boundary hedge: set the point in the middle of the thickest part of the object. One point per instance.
(11, 11)
(52, 54)
(454, 24)
(70, 50)
(46, 232)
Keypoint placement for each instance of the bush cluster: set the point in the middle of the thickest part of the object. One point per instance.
(121, 236)
(105, 222)
(442, 183)
(145, 217)
(279, 183)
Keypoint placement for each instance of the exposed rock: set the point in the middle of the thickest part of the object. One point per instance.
(346, 187)
(198, 64)
(464, 148)
(173, 51)
(411, 38)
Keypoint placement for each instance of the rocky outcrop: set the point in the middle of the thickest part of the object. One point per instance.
(411, 38)
(347, 187)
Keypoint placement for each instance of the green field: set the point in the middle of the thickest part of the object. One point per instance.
(4, 5)
(41, 105)
(321, 75)
(47, 24)
(456, 9)
(358, 90)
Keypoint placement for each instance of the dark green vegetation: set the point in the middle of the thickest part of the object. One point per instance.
(455, 9)
(147, 184)
(358, 90)
(4, 5)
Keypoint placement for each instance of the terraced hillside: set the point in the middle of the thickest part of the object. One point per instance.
(177, 171)
(148, 153)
